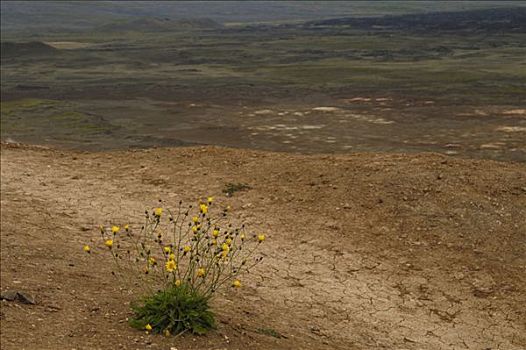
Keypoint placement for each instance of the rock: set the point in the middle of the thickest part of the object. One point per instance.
(333, 225)
(26, 298)
(314, 329)
(482, 292)
(13, 295)
(9, 295)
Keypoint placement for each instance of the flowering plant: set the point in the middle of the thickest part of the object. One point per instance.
(184, 256)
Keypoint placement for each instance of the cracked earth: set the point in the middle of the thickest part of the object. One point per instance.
(365, 251)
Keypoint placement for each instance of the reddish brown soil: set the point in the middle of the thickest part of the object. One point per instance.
(365, 251)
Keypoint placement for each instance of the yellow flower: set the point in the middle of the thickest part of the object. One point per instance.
(225, 247)
(187, 248)
(148, 327)
(126, 227)
(171, 256)
(195, 219)
(115, 229)
(86, 248)
(101, 228)
(242, 236)
(158, 212)
(201, 272)
(210, 200)
(167, 332)
(236, 284)
(194, 229)
(171, 266)
(261, 238)
(228, 241)
(177, 283)
(109, 243)
(152, 261)
(203, 208)
(215, 233)
(167, 249)
(214, 242)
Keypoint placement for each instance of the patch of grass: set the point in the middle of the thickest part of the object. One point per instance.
(49, 118)
(231, 188)
(174, 310)
(68, 118)
(8, 107)
(270, 332)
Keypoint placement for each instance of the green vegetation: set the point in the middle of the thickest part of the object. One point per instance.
(174, 310)
(405, 63)
(60, 120)
(231, 188)
(24, 105)
(270, 332)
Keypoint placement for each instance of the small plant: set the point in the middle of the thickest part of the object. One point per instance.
(179, 259)
(270, 332)
(231, 188)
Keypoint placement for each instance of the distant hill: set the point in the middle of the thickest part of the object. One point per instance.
(32, 48)
(501, 19)
(148, 24)
(31, 17)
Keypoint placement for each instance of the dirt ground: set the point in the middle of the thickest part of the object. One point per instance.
(364, 251)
